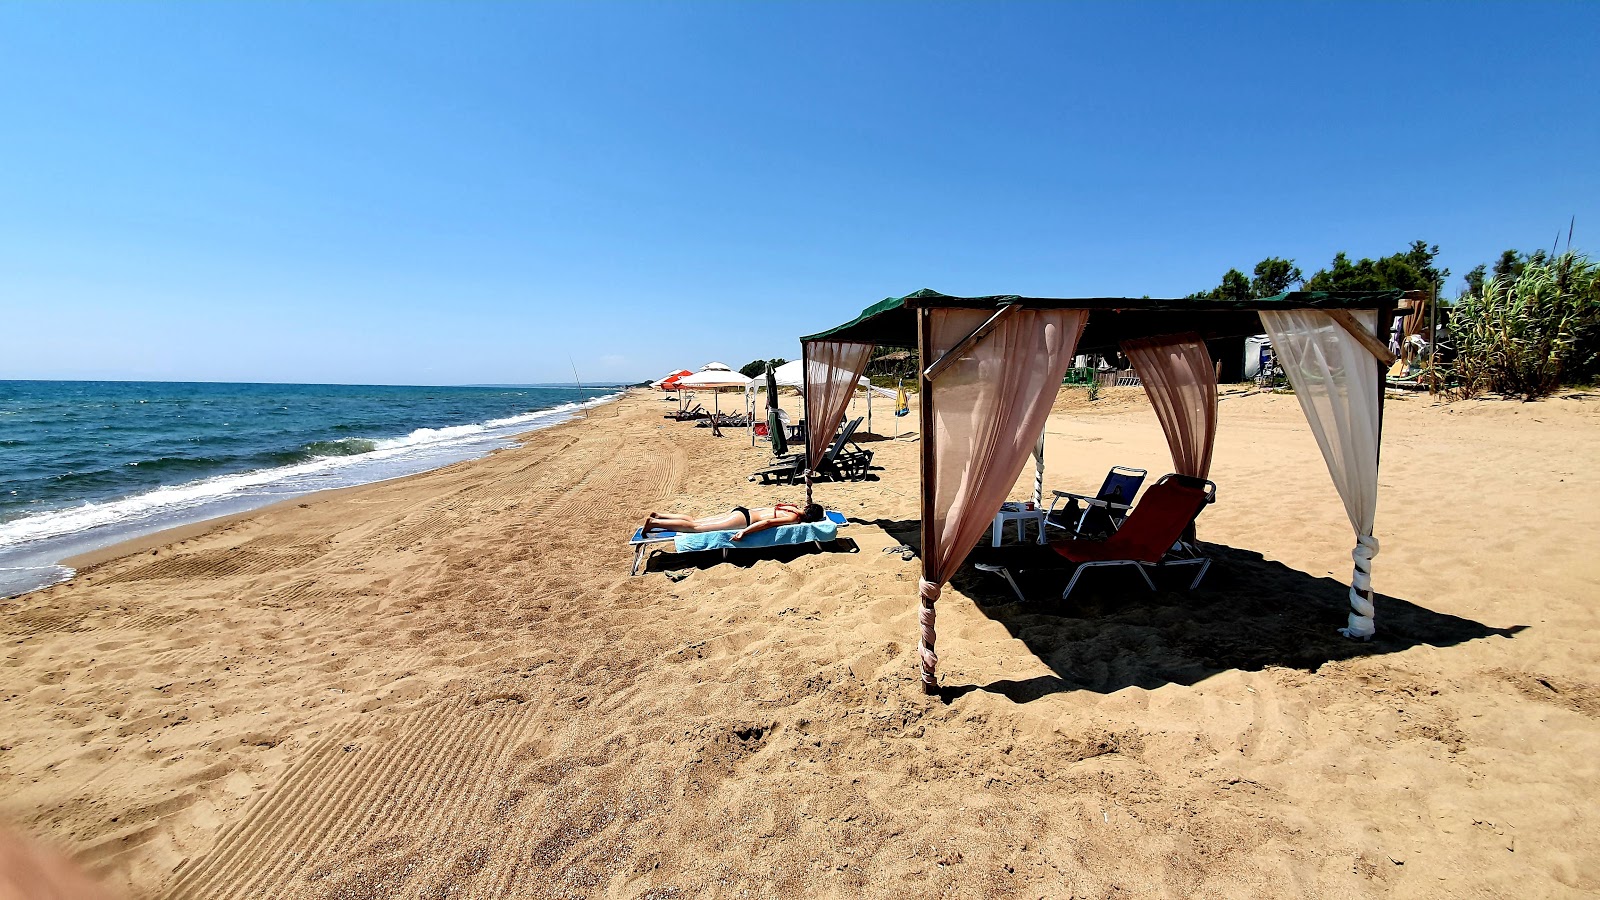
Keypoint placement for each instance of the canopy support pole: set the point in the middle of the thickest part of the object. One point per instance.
(805, 415)
(1384, 325)
(925, 612)
(954, 353)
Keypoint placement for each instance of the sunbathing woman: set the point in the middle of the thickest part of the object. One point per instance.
(747, 519)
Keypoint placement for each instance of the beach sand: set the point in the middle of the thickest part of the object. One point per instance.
(449, 686)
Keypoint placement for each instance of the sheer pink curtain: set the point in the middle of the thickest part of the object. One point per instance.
(832, 371)
(988, 410)
(1181, 382)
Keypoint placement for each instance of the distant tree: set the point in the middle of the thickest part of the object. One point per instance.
(1274, 276)
(1234, 286)
(1475, 279)
(755, 368)
(1509, 265)
(1412, 270)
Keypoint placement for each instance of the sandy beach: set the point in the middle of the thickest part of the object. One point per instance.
(448, 685)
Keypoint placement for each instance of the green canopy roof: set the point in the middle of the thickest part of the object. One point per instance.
(892, 322)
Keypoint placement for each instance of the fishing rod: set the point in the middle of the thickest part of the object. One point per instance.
(579, 382)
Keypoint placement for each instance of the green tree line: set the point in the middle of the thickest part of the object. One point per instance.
(1522, 325)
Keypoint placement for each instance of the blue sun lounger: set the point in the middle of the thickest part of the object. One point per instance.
(818, 533)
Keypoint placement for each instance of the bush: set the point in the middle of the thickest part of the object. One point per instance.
(1520, 335)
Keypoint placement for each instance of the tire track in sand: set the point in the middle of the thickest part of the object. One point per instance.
(351, 799)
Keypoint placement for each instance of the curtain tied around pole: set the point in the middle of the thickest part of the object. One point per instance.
(1360, 620)
(988, 409)
(929, 592)
(1335, 379)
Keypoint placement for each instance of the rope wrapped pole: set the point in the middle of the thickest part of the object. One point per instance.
(1038, 474)
(1359, 623)
(1363, 600)
(928, 592)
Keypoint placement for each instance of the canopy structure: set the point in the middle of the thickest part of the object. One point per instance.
(713, 376)
(991, 368)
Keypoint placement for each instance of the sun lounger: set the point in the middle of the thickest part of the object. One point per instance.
(1104, 511)
(783, 535)
(838, 463)
(1150, 538)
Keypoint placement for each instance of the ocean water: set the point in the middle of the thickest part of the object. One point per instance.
(84, 464)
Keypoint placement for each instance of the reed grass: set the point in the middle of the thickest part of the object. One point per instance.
(1521, 336)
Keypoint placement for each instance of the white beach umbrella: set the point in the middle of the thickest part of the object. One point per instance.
(714, 379)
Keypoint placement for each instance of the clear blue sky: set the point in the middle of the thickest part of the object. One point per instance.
(455, 193)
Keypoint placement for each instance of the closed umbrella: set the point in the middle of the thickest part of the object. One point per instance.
(775, 416)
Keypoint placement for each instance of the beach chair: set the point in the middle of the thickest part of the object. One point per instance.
(1150, 538)
(1104, 511)
(818, 533)
(837, 463)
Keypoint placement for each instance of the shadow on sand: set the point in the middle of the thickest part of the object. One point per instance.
(1249, 613)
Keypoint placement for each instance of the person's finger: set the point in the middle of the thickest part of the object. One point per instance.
(30, 872)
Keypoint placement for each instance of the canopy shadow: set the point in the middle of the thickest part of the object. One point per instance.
(1248, 614)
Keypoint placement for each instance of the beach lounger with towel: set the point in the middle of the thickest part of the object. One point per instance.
(818, 533)
(1150, 538)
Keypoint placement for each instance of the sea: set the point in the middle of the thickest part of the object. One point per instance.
(86, 464)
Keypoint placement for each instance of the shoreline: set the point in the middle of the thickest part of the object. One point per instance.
(163, 536)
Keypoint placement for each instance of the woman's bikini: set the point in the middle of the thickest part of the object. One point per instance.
(780, 508)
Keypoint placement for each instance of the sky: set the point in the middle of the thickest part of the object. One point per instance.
(462, 193)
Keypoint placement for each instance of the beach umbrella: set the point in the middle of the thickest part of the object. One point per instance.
(713, 379)
(670, 381)
(775, 416)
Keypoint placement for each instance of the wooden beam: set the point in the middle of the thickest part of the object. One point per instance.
(1348, 321)
(982, 331)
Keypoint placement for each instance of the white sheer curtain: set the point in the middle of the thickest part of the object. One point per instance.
(1181, 381)
(832, 371)
(989, 408)
(1336, 381)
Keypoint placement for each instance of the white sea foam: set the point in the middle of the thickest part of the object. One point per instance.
(418, 451)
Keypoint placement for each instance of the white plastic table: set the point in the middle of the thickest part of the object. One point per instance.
(1013, 512)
